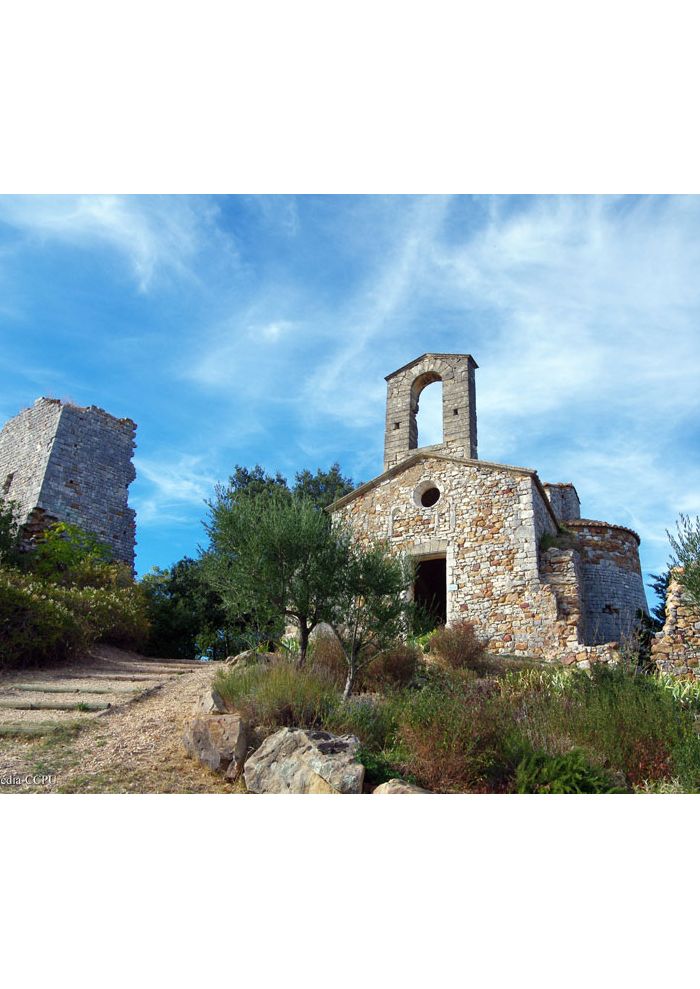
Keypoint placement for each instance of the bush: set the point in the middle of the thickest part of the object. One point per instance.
(395, 667)
(328, 659)
(278, 695)
(41, 622)
(629, 722)
(538, 772)
(35, 627)
(456, 738)
(458, 647)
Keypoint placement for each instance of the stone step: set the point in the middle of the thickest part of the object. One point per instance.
(85, 706)
(40, 688)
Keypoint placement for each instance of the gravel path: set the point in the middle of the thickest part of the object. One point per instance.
(134, 747)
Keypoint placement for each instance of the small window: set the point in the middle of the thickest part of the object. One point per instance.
(426, 494)
(8, 484)
(429, 497)
(455, 412)
(397, 425)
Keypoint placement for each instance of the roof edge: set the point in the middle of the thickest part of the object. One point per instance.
(417, 360)
(427, 454)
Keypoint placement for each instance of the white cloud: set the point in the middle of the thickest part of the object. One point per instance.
(171, 487)
(152, 233)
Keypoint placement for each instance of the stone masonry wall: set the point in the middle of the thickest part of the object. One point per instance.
(612, 583)
(564, 500)
(25, 446)
(77, 467)
(456, 371)
(676, 649)
(487, 523)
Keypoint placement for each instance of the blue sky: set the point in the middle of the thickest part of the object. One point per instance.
(249, 329)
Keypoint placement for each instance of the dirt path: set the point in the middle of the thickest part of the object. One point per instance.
(134, 746)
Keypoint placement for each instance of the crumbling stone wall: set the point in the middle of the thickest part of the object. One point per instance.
(676, 649)
(404, 387)
(564, 501)
(25, 447)
(71, 464)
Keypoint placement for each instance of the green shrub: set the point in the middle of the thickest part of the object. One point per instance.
(41, 622)
(538, 772)
(373, 721)
(627, 721)
(35, 626)
(456, 738)
(278, 695)
(458, 647)
(62, 549)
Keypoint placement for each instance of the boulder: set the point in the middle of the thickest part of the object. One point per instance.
(296, 760)
(398, 786)
(249, 657)
(210, 702)
(219, 741)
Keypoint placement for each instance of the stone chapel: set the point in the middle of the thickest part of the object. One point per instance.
(492, 543)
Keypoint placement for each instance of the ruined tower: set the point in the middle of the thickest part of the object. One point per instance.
(61, 462)
(456, 372)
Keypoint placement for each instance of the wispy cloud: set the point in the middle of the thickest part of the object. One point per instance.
(168, 489)
(152, 233)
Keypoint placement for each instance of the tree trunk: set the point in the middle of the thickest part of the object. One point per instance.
(349, 683)
(303, 644)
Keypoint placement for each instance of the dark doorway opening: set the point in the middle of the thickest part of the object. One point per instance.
(430, 589)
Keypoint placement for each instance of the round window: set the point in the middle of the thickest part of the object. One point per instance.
(426, 494)
(429, 497)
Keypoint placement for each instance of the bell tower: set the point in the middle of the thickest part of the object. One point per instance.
(456, 372)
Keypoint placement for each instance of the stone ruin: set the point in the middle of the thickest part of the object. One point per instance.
(61, 462)
(492, 543)
(676, 648)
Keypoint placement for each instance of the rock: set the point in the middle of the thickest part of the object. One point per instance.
(211, 702)
(295, 760)
(398, 786)
(241, 659)
(249, 657)
(219, 741)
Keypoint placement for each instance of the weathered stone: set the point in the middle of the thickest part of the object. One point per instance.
(219, 741)
(528, 585)
(295, 760)
(676, 649)
(398, 786)
(210, 702)
(61, 462)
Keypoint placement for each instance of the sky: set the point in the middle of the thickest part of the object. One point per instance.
(259, 329)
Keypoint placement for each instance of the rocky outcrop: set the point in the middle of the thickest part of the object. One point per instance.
(219, 741)
(398, 786)
(295, 760)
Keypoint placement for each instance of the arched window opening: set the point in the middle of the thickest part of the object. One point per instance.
(429, 415)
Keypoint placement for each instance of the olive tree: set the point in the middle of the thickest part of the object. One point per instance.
(370, 610)
(275, 556)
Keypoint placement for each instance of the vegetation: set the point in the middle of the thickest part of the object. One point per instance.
(186, 615)
(275, 558)
(368, 612)
(537, 730)
(66, 596)
(686, 549)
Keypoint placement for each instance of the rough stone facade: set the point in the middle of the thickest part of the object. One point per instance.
(519, 562)
(676, 649)
(60, 462)
(456, 371)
